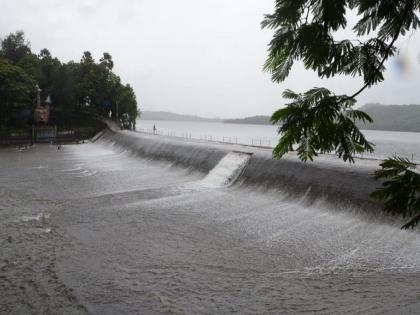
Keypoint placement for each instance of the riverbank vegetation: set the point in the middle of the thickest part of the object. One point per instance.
(78, 90)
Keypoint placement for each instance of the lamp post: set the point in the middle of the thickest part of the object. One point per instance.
(38, 95)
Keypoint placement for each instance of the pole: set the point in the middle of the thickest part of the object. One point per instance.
(38, 96)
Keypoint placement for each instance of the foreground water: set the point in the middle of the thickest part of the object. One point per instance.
(93, 229)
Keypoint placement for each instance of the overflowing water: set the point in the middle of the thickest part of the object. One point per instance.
(137, 225)
(228, 169)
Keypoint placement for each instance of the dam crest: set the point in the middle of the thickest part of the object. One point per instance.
(328, 178)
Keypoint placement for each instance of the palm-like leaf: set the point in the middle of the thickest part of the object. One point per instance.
(400, 191)
(317, 122)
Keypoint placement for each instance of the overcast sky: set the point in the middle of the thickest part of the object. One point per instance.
(200, 57)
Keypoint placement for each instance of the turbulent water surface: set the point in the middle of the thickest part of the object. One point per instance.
(93, 228)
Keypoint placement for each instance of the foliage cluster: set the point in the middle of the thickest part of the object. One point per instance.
(75, 87)
(319, 121)
(400, 190)
(318, 124)
(305, 30)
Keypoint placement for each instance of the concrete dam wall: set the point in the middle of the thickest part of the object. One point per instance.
(327, 178)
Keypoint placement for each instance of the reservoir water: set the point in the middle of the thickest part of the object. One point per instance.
(387, 143)
(118, 227)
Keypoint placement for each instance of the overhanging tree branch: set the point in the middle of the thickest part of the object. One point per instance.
(388, 51)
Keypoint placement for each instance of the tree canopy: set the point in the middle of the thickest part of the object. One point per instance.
(16, 87)
(14, 47)
(320, 121)
(73, 86)
(304, 31)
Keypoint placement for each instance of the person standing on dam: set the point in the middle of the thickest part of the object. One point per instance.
(154, 129)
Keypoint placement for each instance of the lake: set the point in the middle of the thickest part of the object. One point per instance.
(387, 143)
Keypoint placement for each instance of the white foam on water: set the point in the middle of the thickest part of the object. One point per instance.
(79, 172)
(228, 170)
(86, 173)
(40, 167)
(38, 217)
(72, 169)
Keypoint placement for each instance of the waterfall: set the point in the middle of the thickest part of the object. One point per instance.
(227, 171)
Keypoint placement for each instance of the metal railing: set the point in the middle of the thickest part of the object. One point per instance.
(255, 142)
(44, 135)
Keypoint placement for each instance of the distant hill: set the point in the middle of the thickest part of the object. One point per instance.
(392, 117)
(256, 120)
(160, 115)
(385, 117)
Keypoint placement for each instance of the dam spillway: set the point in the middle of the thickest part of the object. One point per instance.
(140, 224)
(328, 178)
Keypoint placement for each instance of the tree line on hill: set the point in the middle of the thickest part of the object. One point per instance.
(385, 117)
(77, 89)
(393, 117)
(162, 115)
(254, 120)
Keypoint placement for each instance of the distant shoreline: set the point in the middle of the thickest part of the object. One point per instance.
(398, 118)
(226, 122)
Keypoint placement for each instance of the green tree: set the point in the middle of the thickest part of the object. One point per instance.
(96, 81)
(127, 102)
(87, 58)
(16, 90)
(87, 77)
(70, 84)
(14, 47)
(30, 64)
(304, 31)
(48, 72)
(319, 121)
(63, 89)
(400, 191)
(106, 60)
